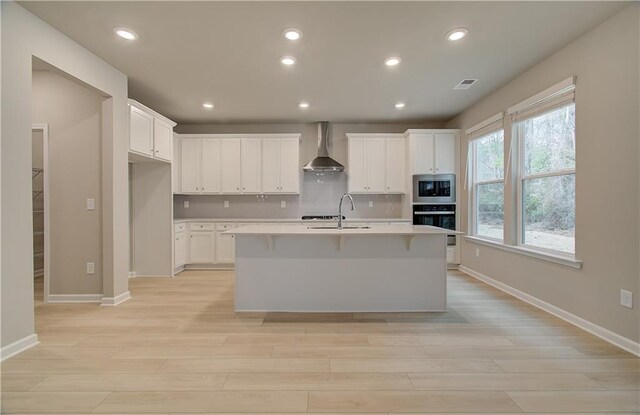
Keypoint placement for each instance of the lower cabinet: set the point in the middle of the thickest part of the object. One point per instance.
(202, 245)
(180, 249)
(225, 243)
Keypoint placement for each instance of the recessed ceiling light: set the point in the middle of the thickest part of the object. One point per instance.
(292, 34)
(457, 34)
(392, 61)
(303, 105)
(125, 33)
(400, 105)
(288, 60)
(208, 105)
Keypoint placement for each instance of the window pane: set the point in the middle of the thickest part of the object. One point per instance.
(490, 210)
(490, 157)
(550, 141)
(548, 214)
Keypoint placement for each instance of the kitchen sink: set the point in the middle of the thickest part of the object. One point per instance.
(335, 227)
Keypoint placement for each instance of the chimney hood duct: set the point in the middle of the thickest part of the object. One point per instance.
(323, 163)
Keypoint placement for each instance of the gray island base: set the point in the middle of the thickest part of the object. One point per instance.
(379, 269)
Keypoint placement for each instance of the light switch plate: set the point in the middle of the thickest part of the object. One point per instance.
(186, 204)
(91, 204)
(226, 203)
(626, 298)
(283, 204)
(91, 268)
(371, 203)
(477, 252)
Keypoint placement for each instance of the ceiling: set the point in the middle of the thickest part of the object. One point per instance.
(228, 53)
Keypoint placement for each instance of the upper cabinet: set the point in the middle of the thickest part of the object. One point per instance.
(376, 163)
(280, 165)
(150, 134)
(433, 151)
(234, 164)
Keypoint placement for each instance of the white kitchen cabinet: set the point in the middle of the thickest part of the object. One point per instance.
(191, 149)
(150, 134)
(368, 169)
(202, 246)
(211, 173)
(251, 165)
(226, 244)
(395, 165)
(433, 152)
(280, 166)
(230, 161)
(180, 249)
(162, 140)
(140, 131)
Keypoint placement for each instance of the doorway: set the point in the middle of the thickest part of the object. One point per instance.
(40, 209)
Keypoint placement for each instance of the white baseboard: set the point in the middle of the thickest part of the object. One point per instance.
(74, 298)
(18, 346)
(599, 331)
(113, 301)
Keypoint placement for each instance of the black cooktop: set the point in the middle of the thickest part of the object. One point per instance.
(322, 217)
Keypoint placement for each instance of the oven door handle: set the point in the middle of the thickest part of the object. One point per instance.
(434, 213)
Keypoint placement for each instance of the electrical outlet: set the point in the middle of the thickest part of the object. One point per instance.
(91, 268)
(371, 203)
(226, 203)
(186, 204)
(91, 204)
(283, 204)
(477, 252)
(626, 298)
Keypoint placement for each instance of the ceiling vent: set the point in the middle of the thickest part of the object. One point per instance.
(465, 84)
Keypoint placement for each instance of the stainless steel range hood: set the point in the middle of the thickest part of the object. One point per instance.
(323, 163)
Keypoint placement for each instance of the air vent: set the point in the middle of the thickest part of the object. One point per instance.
(465, 84)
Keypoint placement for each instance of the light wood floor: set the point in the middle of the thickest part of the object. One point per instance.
(178, 347)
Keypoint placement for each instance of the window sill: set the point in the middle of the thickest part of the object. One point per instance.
(567, 261)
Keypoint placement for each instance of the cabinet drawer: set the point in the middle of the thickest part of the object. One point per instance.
(225, 226)
(179, 227)
(202, 226)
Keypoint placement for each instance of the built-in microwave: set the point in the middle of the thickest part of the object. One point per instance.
(434, 188)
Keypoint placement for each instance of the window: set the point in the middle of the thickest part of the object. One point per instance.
(488, 185)
(547, 179)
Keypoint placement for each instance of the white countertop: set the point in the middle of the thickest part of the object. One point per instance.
(288, 220)
(373, 230)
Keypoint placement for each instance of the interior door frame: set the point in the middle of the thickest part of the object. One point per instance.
(46, 205)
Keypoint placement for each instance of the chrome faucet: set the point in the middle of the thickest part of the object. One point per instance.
(347, 195)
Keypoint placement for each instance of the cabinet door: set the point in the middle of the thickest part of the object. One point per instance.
(140, 131)
(230, 162)
(290, 165)
(180, 250)
(356, 168)
(226, 248)
(176, 166)
(423, 157)
(202, 247)
(395, 165)
(211, 175)
(190, 165)
(445, 149)
(251, 165)
(375, 165)
(162, 140)
(271, 166)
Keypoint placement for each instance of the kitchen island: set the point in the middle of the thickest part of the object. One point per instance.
(383, 268)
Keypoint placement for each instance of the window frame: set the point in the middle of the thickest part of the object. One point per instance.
(518, 134)
(474, 186)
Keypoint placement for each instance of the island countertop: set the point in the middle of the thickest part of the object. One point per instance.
(318, 229)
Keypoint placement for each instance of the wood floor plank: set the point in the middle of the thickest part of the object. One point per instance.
(189, 402)
(51, 402)
(620, 382)
(415, 401)
(167, 352)
(439, 340)
(561, 401)
(497, 352)
(310, 339)
(354, 352)
(414, 365)
(131, 382)
(502, 381)
(318, 381)
(20, 381)
(244, 365)
(81, 366)
(569, 365)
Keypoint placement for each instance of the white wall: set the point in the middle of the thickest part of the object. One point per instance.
(605, 61)
(73, 113)
(24, 36)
